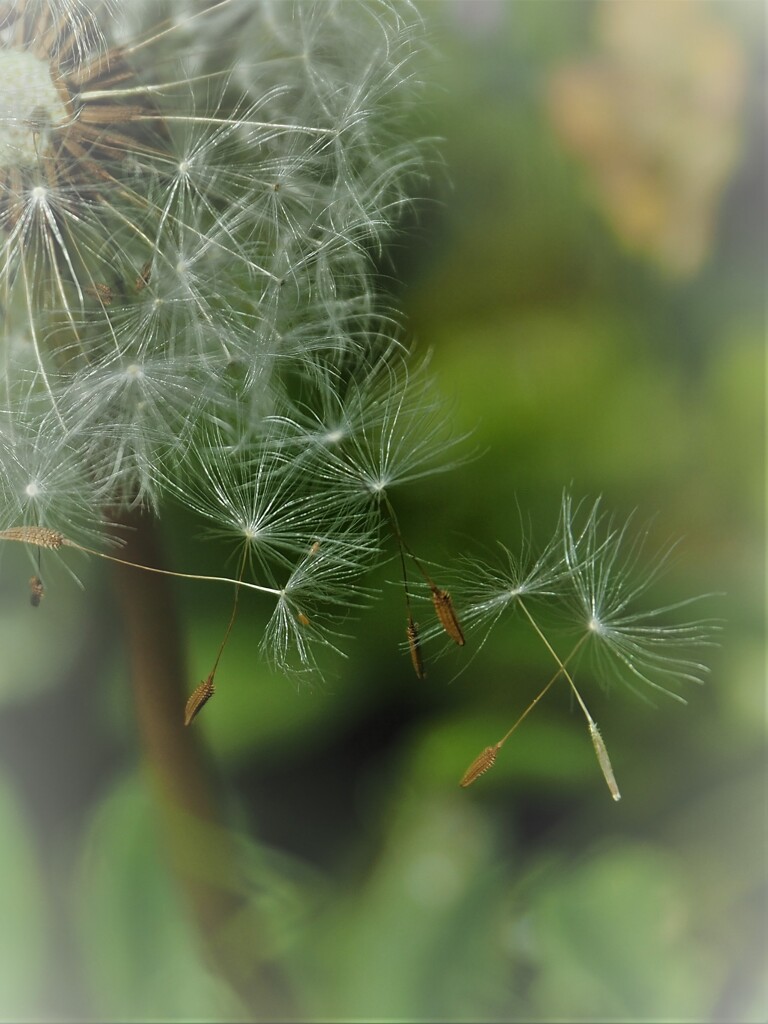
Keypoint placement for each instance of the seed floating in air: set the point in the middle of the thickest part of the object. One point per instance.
(480, 765)
(604, 761)
(36, 591)
(201, 696)
(414, 644)
(144, 276)
(441, 599)
(42, 536)
(102, 292)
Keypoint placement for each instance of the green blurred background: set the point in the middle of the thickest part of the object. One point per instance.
(589, 273)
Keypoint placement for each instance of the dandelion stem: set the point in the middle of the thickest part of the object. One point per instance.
(202, 849)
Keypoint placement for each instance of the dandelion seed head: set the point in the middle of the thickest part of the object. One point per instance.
(187, 218)
(29, 102)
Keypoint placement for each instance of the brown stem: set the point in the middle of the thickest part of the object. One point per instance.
(202, 851)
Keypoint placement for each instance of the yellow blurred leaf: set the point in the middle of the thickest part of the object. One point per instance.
(655, 117)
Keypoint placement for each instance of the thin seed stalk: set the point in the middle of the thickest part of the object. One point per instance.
(563, 669)
(601, 751)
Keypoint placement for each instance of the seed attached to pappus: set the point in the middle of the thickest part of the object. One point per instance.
(42, 536)
(201, 696)
(441, 599)
(36, 591)
(302, 618)
(414, 645)
(102, 292)
(604, 761)
(480, 765)
(144, 276)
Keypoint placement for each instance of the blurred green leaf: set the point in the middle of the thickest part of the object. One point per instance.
(418, 938)
(23, 944)
(142, 960)
(612, 940)
(143, 957)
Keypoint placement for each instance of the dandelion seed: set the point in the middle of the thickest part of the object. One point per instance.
(102, 292)
(198, 699)
(600, 748)
(322, 587)
(382, 427)
(441, 599)
(144, 276)
(609, 573)
(480, 765)
(604, 761)
(489, 589)
(488, 756)
(36, 591)
(38, 535)
(302, 618)
(414, 645)
(51, 539)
